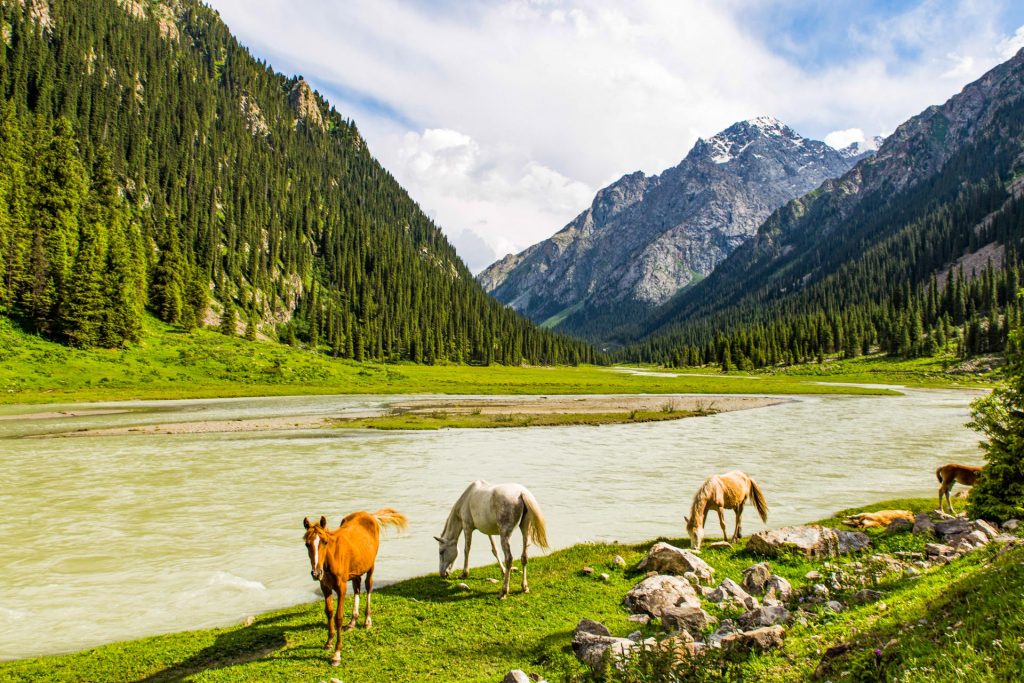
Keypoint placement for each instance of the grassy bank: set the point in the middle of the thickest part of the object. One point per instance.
(170, 364)
(953, 622)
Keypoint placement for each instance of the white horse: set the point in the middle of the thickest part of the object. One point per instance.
(497, 509)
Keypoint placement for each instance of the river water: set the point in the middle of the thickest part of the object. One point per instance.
(109, 538)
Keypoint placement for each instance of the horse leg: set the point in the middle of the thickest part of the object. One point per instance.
(943, 491)
(356, 581)
(339, 614)
(738, 534)
(329, 609)
(524, 527)
(369, 589)
(469, 541)
(494, 551)
(721, 520)
(506, 547)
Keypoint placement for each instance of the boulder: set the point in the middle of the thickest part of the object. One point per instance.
(952, 528)
(668, 559)
(592, 627)
(764, 616)
(729, 590)
(899, 526)
(642, 619)
(812, 575)
(724, 630)
(516, 676)
(985, 528)
(923, 524)
(976, 537)
(866, 595)
(655, 593)
(693, 620)
(590, 640)
(1011, 524)
(619, 561)
(835, 606)
(756, 577)
(680, 644)
(758, 640)
(808, 540)
(938, 550)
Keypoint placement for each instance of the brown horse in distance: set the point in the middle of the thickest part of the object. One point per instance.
(346, 554)
(954, 474)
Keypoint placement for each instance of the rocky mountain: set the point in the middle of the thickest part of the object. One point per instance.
(869, 255)
(646, 237)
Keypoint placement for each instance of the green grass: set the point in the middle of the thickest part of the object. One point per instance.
(169, 364)
(442, 420)
(955, 622)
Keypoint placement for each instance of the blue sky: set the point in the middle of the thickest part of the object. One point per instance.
(503, 118)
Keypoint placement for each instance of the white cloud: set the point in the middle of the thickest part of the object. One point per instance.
(838, 139)
(512, 112)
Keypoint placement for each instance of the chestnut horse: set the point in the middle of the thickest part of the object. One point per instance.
(720, 492)
(346, 554)
(954, 474)
(497, 509)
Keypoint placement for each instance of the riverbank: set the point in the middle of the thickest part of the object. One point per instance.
(946, 621)
(205, 364)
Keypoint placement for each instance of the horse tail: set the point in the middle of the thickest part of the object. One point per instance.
(390, 517)
(938, 473)
(759, 502)
(537, 531)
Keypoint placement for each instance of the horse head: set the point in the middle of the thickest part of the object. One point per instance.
(695, 531)
(314, 538)
(447, 552)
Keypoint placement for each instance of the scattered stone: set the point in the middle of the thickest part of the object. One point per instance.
(491, 579)
(681, 644)
(592, 627)
(642, 619)
(694, 620)
(758, 640)
(853, 542)
(619, 561)
(719, 545)
(952, 528)
(985, 528)
(587, 571)
(866, 595)
(835, 606)
(335, 680)
(654, 594)
(820, 589)
(636, 636)
(729, 590)
(462, 586)
(668, 559)
(938, 550)
(1011, 524)
(809, 541)
(755, 577)
(516, 676)
(249, 621)
(898, 526)
(764, 616)
(591, 639)
(812, 575)
(725, 629)
(923, 524)
(605, 577)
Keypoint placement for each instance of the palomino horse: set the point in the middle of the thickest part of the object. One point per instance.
(720, 492)
(497, 509)
(342, 555)
(954, 474)
(881, 518)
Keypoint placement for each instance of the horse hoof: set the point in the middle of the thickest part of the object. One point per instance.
(464, 575)
(526, 589)
(327, 646)
(336, 659)
(349, 627)
(503, 596)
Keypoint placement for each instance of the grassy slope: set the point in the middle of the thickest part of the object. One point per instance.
(170, 364)
(428, 629)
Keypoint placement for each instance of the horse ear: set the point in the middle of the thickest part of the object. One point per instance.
(438, 539)
(686, 519)
(305, 523)
(323, 521)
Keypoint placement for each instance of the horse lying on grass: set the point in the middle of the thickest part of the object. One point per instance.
(866, 520)
(720, 492)
(346, 554)
(497, 509)
(951, 474)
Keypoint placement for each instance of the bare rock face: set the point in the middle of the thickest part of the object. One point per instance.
(668, 559)
(645, 237)
(654, 594)
(810, 541)
(304, 101)
(758, 640)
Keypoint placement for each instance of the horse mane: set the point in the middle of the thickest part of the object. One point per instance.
(453, 525)
(700, 503)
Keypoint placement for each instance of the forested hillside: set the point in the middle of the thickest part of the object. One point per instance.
(914, 250)
(149, 161)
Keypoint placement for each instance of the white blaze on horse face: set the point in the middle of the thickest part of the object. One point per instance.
(316, 552)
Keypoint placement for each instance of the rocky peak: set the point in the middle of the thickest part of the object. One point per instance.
(304, 101)
(737, 138)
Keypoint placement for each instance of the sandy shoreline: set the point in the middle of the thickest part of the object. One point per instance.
(491, 406)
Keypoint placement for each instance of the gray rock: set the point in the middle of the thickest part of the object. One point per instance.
(1011, 524)
(643, 238)
(642, 619)
(729, 590)
(835, 606)
(937, 550)
(952, 528)
(820, 590)
(866, 595)
(923, 524)
(812, 575)
(654, 594)
(985, 528)
(592, 627)
(681, 644)
(724, 630)
(590, 640)
(755, 578)
(898, 526)
(758, 640)
(718, 545)
(764, 616)
(516, 676)
(693, 620)
(636, 636)
(619, 561)
(605, 577)
(977, 538)
(809, 540)
(587, 571)
(668, 559)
